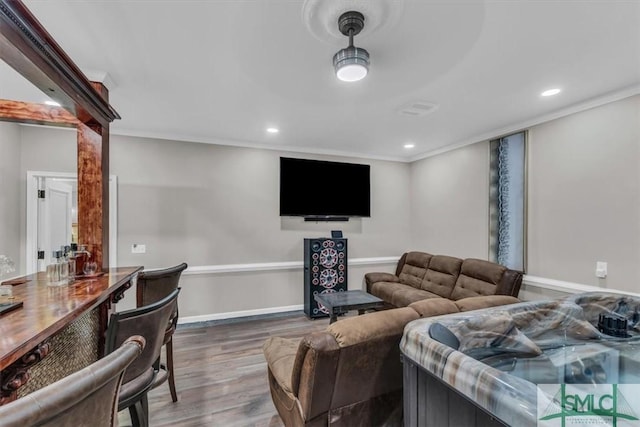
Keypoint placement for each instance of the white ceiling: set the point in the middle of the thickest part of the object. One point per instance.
(222, 71)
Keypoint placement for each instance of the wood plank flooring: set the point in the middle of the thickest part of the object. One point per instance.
(221, 374)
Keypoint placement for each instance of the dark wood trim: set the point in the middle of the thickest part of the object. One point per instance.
(17, 374)
(28, 48)
(104, 157)
(40, 114)
(90, 192)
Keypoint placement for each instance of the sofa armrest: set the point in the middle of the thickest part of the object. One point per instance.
(314, 372)
(401, 262)
(510, 283)
(280, 354)
(476, 303)
(371, 278)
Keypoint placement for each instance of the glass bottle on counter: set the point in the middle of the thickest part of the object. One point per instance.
(58, 270)
(63, 264)
(82, 255)
(53, 270)
(70, 260)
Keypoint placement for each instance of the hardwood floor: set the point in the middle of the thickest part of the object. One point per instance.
(221, 374)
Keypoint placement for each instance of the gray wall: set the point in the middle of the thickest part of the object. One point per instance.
(10, 206)
(213, 205)
(583, 198)
(449, 203)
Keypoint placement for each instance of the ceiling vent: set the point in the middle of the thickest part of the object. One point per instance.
(417, 109)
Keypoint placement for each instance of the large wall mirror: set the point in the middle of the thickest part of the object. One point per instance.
(12, 174)
(36, 158)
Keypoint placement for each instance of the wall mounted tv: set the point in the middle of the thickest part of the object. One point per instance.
(324, 191)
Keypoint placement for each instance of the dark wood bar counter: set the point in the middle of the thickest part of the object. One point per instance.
(59, 329)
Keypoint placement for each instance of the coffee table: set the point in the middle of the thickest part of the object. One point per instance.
(341, 302)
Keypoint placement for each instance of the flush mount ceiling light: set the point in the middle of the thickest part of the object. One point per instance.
(351, 63)
(273, 130)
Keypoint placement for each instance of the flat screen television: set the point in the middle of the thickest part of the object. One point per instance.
(321, 190)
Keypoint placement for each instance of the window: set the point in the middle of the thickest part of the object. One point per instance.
(507, 218)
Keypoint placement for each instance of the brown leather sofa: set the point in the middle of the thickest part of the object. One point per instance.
(420, 275)
(350, 374)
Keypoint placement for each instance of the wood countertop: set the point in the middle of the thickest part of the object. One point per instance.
(48, 309)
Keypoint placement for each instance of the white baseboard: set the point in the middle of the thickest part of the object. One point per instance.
(236, 314)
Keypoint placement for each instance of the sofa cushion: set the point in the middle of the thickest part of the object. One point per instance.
(414, 268)
(441, 275)
(407, 295)
(476, 303)
(280, 354)
(477, 277)
(385, 290)
(434, 307)
(359, 329)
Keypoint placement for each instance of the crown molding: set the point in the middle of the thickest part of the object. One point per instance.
(247, 144)
(517, 127)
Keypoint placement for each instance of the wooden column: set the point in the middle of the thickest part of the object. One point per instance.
(104, 92)
(90, 191)
(93, 186)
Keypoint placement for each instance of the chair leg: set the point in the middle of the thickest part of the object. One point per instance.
(172, 383)
(144, 403)
(137, 415)
(139, 412)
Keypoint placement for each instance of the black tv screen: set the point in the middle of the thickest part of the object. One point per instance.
(313, 188)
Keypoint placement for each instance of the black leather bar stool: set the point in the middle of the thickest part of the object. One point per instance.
(142, 375)
(151, 287)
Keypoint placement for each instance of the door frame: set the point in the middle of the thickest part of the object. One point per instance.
(31, 244)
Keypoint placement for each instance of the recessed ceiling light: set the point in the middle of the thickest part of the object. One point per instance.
(409, 145)
(550, 92)
(273, 130)
(52, 103)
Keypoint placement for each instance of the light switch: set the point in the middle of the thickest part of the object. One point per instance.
(137, 248)
(601, 269)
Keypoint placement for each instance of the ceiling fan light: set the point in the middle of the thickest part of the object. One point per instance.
(351, 64)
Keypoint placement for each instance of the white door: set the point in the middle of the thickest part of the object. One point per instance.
(36, 219)
(55, 218)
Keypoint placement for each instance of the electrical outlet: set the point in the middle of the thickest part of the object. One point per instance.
(601, 269)
(137, 248)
